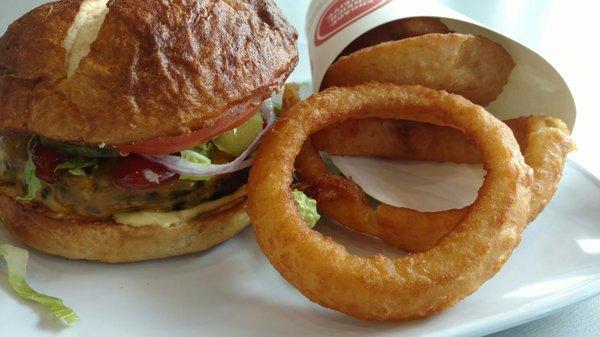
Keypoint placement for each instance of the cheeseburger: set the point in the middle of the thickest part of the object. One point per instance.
(127, 126)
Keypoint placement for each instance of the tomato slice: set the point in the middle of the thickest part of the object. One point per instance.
(167, 145)
(138, 173)
(46, 159)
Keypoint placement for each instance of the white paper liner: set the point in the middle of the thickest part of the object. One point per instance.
(424, 186)
(534, 88)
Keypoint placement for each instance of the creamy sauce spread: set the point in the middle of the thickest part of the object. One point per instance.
(168, 219)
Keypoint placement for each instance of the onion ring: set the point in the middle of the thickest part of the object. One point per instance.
(471, 66)
(544, 142)
(344, 201)
(396, 139)
(379, 288)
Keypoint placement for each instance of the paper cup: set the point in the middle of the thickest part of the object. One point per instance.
(534, 88)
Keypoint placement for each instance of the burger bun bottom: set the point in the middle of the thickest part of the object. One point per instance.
(110, 242)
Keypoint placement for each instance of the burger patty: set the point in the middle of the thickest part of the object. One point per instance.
(95, 195)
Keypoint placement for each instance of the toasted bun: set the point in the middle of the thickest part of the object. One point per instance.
(115, 243)
(136, 70)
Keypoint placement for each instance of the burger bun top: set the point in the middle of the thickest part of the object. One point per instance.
(119, 71)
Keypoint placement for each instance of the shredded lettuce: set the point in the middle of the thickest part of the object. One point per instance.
(77, 164)
(307, 208)
(199, 155)
(31, 180)
(80, 150)
(205, 149)
(16, 262)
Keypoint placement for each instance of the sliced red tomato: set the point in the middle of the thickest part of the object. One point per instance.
(167, 145)
(46, 159)
(138, 173)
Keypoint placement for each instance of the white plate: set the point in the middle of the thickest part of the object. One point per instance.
(233, 291)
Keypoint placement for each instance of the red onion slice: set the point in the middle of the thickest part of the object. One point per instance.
(183, 166)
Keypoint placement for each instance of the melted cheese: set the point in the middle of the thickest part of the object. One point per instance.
(83, 31)
(168, 219)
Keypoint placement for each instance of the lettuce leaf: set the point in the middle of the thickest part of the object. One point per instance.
(80, 150)
(307, 207)
(200, 155)
(77, 164)
(32, 182)
(16, 262)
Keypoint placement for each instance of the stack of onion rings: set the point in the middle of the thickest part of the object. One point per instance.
(454, 251)
(379, 288)
(472, 66)
(544, 142)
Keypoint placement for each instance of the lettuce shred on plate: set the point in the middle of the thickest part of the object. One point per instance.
(16, 262)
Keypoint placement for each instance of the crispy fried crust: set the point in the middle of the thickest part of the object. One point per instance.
(396, 139)
(155, 69)
(471, 66)
(343, 200)
(544, 142)
(377, 287)
(114, 243)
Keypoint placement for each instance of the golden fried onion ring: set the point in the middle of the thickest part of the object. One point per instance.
(377, 287)
(344, 201)
(544, 142)
(471, 66)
